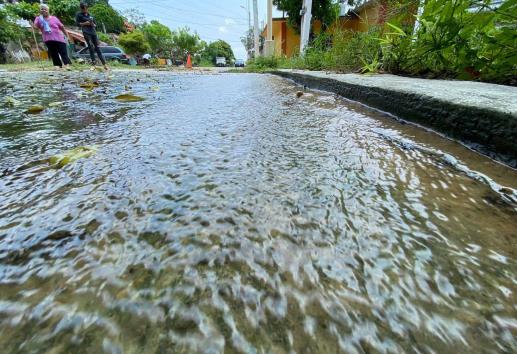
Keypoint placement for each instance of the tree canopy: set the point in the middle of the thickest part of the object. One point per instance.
(107, 16)
(66, 10)
(324, 10)
(219, 48)
(135, 17)
(8, 28)
(134, 42)
(159, 37)
(185, 42)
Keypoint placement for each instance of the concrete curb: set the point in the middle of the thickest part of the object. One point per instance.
(489, 131)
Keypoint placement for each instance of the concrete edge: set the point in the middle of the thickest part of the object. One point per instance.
(490, 132)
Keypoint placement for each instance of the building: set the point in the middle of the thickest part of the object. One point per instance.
(361, 18)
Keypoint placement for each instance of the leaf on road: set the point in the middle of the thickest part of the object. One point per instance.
(65, 158)
(89, 85)
(127, 97)
(35, 109)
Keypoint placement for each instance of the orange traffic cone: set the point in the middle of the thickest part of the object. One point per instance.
(189, 62)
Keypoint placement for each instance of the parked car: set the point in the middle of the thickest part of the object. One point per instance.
(110, 54)
(220, 61)
(240, 63)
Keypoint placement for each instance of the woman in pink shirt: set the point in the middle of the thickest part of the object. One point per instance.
(53, 33)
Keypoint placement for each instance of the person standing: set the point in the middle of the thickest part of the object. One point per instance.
(53, 33)
(88, 25)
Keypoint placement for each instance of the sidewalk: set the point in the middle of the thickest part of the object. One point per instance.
(479, 114)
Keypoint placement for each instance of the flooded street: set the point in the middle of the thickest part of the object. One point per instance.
(223, 214)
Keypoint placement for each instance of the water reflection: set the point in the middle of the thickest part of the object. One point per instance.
(226, 214)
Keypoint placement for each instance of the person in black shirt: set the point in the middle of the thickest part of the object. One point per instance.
(88, 25)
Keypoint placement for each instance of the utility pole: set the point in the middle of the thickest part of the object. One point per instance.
(249, 16)
(256, 28)
(270, 44)
(306, 13)
(419, 14)
(249, 29)
(248, 34)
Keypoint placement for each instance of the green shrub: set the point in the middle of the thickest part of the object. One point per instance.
(103, 37)
(265, 62)
(466, 39)
(134, 43)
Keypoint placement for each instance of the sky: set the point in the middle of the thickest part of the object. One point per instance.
(212, 20)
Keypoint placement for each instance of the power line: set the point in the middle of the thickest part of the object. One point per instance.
(169, 19)
(156, 3)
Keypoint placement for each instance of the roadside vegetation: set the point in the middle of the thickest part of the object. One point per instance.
(462, 39)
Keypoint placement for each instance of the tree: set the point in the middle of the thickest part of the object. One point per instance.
(65, 10)
(135, 17)
(24, 10)
(159, 37)
(248, 40)
(219, 49)
(9, 30)
(134, 42)
(185, 42)
(324, 10)
(107, 16)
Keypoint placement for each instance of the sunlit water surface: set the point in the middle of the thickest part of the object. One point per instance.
(224, 214)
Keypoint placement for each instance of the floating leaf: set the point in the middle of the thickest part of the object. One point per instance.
(155, 88)
(65, 158)
(89, 85)
(35, 109)
(12, 102)
(56, 104)
(127, 97)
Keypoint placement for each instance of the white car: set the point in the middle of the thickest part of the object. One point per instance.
(220, 61)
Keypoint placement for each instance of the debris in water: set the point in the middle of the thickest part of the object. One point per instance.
(12, 102)
(506, 190)
(89, 85)
(35, 109)
(299, 94)
(55, 104)
(127, 97)
(65, 158)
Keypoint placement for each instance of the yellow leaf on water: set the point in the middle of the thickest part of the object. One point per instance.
(12, 102)
(155, 88)
(67, 157)
(89, 85)
(56, 104)
(127, 97)
(35, 109)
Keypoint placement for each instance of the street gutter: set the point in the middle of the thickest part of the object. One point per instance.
(481, 115)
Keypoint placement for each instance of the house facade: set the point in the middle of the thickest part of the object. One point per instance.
(360, 19)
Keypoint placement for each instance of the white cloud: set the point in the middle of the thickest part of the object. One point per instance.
(223, 29)
(229, 21)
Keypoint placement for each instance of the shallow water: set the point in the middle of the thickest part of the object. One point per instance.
(224, 214)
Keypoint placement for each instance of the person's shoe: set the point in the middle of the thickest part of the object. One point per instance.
(107, 68)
